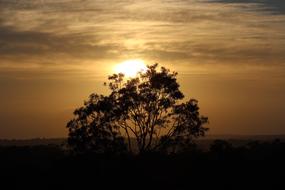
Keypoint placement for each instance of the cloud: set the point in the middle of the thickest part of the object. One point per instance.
(188, 31)
(271, 6)
(15, 42)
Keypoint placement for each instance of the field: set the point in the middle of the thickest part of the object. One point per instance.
(234, 164)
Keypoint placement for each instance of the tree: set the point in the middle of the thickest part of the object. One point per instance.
(147, 108)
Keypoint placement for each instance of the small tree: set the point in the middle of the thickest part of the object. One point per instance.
(147, 108)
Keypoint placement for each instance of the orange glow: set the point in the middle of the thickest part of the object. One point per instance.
(131, 68)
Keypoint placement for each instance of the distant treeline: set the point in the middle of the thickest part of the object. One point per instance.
(203, 143)
(256, 164)
(32, 142)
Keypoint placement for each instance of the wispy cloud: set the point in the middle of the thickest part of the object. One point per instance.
(271, 6)
(225, 31)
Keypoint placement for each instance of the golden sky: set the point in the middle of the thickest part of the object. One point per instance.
(230, 55)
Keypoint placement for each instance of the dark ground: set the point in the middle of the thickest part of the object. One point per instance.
(255, 165)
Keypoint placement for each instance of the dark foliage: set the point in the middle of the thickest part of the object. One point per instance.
(146, 108)
(225, 166)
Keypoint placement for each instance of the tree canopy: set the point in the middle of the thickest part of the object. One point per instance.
(141, 114)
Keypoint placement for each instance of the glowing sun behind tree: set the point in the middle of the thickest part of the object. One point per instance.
(130, 68)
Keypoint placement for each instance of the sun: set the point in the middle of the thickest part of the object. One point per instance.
(130, 68)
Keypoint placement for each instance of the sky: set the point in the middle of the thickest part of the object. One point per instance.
(230, 55)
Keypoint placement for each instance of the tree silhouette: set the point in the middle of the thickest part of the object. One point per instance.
(141, 114)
